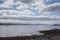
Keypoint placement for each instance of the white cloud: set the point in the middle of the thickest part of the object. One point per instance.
(6, 4)
(22, 6)
(40, 5)
(14, 13)
(22, 9)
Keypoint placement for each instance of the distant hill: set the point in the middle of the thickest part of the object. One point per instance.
(56, 24)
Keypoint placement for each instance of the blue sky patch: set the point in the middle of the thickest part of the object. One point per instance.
(1, 1)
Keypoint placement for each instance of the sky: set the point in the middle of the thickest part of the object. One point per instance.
(28, 12)
(30, 8)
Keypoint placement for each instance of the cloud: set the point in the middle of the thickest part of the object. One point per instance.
(48, 2)
(52, 8)
(29, 20)
(20, 8)
(38, 3)
(6, 4)
(27, 1)
(12, 13)
(38, 8)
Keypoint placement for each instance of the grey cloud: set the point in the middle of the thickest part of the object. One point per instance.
(27, 1)
(52, 8)
(29, 20)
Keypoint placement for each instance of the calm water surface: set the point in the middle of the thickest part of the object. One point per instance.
(17, 30)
